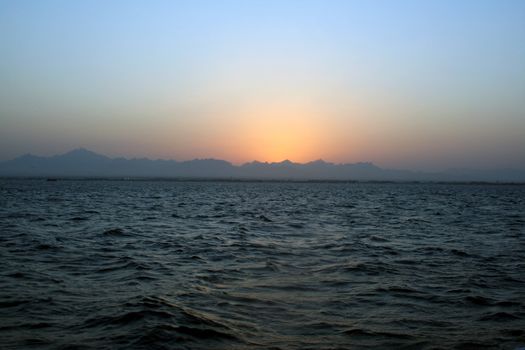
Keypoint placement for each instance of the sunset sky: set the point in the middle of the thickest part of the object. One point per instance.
(409, 84)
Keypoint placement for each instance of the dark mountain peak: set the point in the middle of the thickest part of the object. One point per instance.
(254, 163)
(255, 166)
(318, 162)
(208, 161)
(82, 153)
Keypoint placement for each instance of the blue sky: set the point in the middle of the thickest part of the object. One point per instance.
(418, 84)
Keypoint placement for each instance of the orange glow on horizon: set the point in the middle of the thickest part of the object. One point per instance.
(268, 130)
(279, 133)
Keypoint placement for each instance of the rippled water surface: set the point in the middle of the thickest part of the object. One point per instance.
(226, 265)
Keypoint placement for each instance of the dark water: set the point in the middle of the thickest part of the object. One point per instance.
(211, 265)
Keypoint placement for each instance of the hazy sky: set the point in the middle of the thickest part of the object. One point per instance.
(413, 84)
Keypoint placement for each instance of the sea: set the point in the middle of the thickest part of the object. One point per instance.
(139, 264)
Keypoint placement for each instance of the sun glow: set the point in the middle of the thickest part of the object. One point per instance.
(281, 133)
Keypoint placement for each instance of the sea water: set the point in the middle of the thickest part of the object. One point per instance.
(105, 264)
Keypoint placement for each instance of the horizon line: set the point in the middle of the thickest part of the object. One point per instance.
(187, 160)
(286, 160)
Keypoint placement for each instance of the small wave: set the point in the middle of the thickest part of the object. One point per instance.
(45, 246)
(264, 218)
(124, 264)
(37, 341)
(507, 303)
(397, 289)
(499, 317)
(432, 249)
(513, 332)
(459, 253)
(473, 345)
(359, 332)
(38, 219)
(12, 303)
(160, 335)
(126, 318)
(79, 218)
(479, 300)
(375, 238)
(16, 275)
(242, 229)
(38, 325)
(114, 232)
(203, 333)
(20, 215)
(407, 261)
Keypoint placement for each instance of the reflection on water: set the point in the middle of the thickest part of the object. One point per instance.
(211, 265)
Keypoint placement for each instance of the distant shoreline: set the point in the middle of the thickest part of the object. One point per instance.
(82, 163)
(255, 180)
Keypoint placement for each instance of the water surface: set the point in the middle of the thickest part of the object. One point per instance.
(240, 265)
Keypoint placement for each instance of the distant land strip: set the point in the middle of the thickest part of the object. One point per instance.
(84, 164)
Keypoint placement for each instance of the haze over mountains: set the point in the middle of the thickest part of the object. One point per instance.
(84, 163)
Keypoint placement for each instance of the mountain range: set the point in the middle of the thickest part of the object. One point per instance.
(84, 163)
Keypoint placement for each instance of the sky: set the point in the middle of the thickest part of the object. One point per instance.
(424, 85)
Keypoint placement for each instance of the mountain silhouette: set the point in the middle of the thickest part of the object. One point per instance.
(85, 163)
